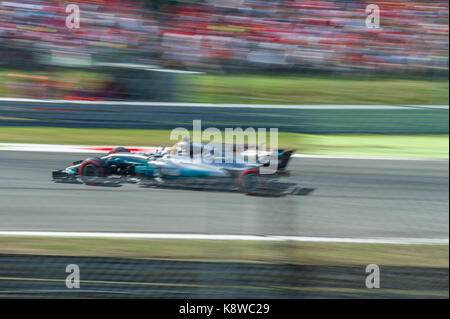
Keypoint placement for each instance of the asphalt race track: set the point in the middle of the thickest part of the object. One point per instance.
(335, 198)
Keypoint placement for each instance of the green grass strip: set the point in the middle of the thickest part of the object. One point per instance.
(245, 251)
(313, 90)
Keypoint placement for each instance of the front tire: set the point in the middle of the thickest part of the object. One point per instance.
(91, 172)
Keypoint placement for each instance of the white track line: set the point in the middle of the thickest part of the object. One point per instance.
(380, 240)
(66, 148)
(86, 149)
(367, 157)
(223, 105)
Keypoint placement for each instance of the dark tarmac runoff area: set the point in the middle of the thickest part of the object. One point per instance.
(335, 198)
(23, 276)
(349, 198)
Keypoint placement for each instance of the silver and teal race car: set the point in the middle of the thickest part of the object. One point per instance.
(174, 167)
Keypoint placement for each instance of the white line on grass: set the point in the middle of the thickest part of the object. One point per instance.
(378, 240)
(240, 105)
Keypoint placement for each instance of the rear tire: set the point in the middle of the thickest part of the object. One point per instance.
(249, 182)
(91, 172)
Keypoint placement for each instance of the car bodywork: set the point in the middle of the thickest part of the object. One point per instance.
(174, 167)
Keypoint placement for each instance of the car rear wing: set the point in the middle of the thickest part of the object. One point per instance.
(284, 157)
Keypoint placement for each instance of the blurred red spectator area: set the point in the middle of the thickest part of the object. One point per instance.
(212, 34)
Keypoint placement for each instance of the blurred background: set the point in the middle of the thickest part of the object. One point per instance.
(367, 109)
(122, 47)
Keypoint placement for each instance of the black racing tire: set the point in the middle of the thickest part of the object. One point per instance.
(250, 182)
(91, 171)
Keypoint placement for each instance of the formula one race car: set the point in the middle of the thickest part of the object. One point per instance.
(175, 167)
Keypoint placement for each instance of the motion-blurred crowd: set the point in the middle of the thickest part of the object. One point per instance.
(226, 34)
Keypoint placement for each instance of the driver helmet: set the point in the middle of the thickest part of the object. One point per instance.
(184, 146)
